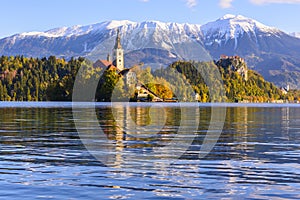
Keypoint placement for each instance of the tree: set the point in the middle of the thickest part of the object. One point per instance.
(106, 85)
(119, 91)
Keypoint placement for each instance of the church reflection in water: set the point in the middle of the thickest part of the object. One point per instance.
(137, 130)
(122, 122)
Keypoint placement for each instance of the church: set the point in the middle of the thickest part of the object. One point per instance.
(118, 64)
(118, 57)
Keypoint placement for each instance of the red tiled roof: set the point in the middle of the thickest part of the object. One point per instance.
(102, 63)
(105, 65)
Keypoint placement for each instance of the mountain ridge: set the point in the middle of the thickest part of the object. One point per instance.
(295, 34)
(78, 30)
(268, 50)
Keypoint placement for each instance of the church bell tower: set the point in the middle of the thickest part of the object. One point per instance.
(118, 53)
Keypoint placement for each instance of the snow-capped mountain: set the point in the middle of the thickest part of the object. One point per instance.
(96, 41)
(266, 49)
(240, 35)
(233, 27)
(77, 30)
(295, 34)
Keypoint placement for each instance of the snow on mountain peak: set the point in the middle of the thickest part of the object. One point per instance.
(115, 24)
(235, 24)
(232, 27)
(35, 33)
(220, 31)
(68, 31)
(295, 34)
(61, 32)
(227, 16)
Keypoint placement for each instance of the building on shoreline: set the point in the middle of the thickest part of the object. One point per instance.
(118, 64)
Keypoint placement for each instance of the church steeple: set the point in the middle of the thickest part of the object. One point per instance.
(118, 41)
(118, 53)
(108, 58)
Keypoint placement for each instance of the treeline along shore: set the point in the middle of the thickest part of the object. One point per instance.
(52, 79)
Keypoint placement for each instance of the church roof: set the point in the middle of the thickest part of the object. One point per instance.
(105, 65)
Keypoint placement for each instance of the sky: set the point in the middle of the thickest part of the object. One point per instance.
(19, 16)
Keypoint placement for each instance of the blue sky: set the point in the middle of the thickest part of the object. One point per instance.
(39, 15)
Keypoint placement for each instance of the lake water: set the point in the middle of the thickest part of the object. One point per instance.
(149, 151)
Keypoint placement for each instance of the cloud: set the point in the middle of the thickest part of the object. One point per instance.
(260, 2)
(228, 3)
(225, 3)
(144, 1)
(191, 3)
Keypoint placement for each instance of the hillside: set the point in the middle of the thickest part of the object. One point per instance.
(52, 79)
(240, 84)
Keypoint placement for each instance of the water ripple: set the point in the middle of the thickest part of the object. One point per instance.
(42, 157)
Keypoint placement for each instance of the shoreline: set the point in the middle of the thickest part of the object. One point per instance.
(70, 104)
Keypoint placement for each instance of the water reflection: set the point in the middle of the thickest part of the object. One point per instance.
(257, 156)
(134, 132)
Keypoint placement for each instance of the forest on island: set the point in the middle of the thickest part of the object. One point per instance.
(52, 79)
(35, 79)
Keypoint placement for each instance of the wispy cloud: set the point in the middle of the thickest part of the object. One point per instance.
(144, 1)
(228, 3)
(225, 3)
(191, 3)
(260, 2)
